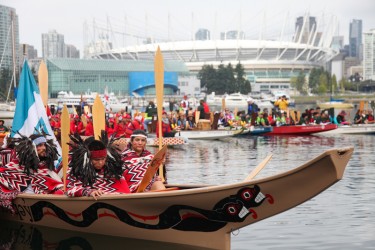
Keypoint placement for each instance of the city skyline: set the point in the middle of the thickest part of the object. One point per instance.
(151, 19)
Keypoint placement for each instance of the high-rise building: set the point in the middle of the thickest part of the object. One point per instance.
(369, 55)
(305, 29)
(203, 34)
(9, 38)
(355, 38)
(337, 43)
(28, 51)
(71, 51)
(232, 35)
(53, 45)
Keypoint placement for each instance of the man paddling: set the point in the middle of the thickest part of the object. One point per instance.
(136, 159)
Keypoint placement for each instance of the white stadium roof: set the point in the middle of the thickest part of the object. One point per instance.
(251, 53)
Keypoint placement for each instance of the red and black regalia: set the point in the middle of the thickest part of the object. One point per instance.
(27, 172)
(83, 178)
(135, 167)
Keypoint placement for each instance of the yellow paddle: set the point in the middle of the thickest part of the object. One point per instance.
(65, 129)
(159, 87)
(98, 117)
(258, 168)
(43, 82)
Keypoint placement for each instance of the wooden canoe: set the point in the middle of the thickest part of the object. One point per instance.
(354, 129)
(208, 134)
(301, 129)
(195, 215)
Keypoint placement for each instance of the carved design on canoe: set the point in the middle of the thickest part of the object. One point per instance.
(234, 208)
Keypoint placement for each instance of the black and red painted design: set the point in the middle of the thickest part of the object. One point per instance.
(234, 208)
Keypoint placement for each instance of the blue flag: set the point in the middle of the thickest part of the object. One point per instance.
(30, 113)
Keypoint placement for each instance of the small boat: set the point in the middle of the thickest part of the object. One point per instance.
(351, 129)
(301, 129)
(336, 104)
(194, 215)
(208, 134)
(110, 100)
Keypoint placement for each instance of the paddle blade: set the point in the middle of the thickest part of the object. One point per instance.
(43, 82)
(152, 167)
(65, 129)
(98, 116)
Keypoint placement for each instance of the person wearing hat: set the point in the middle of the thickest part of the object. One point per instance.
(95, 168)
(340, 118)
(136, 159)
(31, 168)
(251, 107)
(3, 128)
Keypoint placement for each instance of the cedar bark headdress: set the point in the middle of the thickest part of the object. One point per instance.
(25, 148)
(82, 152)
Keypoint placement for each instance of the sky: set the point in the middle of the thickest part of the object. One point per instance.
(128, 22)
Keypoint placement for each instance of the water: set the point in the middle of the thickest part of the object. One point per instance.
(342, 217)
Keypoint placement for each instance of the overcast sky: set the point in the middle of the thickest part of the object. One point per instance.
(178, 20)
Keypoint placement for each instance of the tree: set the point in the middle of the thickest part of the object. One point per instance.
(323, 83)
(224, 79)
(299, 83)
(207, 76)
(242, 84)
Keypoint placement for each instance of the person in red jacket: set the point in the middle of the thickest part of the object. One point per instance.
(136, 124)
(89, 127)
(165, 127)
(111, 127)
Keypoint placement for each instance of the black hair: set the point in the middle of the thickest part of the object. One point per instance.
(138, 132)
(95, 145)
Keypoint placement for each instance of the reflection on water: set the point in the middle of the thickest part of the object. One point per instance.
(342, 217)
(23, 236)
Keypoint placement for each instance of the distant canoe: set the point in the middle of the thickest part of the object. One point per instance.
(352, 129)
(301, 129)
(336, 105)
(208, 134)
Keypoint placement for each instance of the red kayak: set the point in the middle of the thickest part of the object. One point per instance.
(301, 129)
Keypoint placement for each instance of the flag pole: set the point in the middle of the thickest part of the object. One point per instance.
(159, 87)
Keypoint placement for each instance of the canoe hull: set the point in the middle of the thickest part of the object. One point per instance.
(208, 135)
(207, 214)
(352, 129)
(301, 129)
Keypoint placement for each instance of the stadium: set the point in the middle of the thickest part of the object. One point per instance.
(272, 63)
(269, 63)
